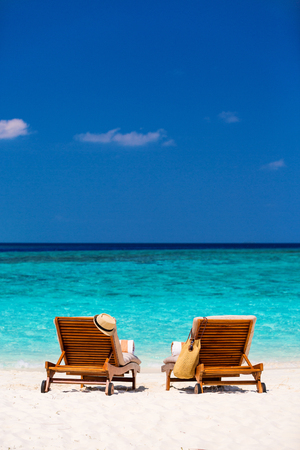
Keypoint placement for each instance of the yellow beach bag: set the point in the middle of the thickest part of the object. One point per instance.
(188, 358)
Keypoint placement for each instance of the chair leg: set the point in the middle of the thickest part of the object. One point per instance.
(199, 375)
(168, 381)
(258, 382)
(47, 384)
(133, 379)
(50, 374)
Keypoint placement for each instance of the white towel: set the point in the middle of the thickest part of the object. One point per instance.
(176, 348)
(127, 346)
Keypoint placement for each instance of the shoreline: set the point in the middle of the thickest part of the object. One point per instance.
(269, 365)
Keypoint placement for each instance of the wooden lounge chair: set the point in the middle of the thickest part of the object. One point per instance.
(92, 355)
(225, 346)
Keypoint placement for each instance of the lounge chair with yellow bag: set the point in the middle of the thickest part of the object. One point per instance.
(91, 350)
(218, 349)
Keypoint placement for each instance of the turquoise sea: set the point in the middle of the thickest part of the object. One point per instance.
(154, 293)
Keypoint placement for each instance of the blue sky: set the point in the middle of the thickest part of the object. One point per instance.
(150, 121)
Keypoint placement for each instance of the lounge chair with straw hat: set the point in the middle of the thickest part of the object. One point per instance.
(224, 349)
(91, 349)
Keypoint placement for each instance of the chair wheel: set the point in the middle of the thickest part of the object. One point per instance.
(264, 387)
(197, 389)
(43, 387)
(110, 389)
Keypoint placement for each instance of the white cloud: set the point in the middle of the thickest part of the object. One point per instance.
(229, 116)
(10, 129)
(132, 139)
(275, 165)
(104, 138)
(169, 143)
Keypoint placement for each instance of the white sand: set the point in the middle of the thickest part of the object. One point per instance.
(149, 418)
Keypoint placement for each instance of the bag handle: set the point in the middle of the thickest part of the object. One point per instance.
(202, 323)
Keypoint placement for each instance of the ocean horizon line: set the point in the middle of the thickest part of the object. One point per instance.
(109, 246)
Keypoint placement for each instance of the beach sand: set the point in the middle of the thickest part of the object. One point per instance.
(68, 417)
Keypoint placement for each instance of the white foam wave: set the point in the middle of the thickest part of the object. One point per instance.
(21, 364)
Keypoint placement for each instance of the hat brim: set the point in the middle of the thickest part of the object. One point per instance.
(108, 332)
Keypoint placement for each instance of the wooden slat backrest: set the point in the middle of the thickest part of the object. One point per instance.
(224, 342)
(83, 343)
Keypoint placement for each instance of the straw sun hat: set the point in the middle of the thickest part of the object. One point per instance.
(105, 323)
